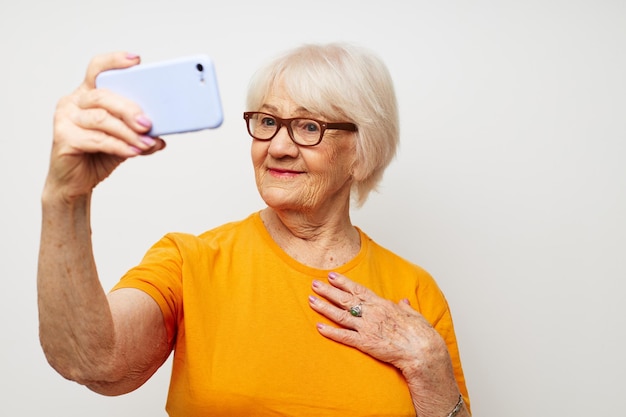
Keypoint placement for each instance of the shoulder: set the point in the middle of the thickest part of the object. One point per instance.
(398, 272)
(177, 254)
(391, 259)
(215, 237)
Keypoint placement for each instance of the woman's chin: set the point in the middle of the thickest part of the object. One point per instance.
(283, 200)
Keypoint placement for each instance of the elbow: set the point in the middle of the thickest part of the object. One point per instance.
(112, 389)
(85, 369)
(100, 376)
(101, 380)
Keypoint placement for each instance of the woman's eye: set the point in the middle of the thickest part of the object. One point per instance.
(312, 127)
(308, 126)
(268, 121)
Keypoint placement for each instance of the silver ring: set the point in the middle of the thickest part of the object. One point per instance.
(357, 310)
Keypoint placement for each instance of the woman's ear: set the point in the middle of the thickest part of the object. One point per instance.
(359, 168)
(358, 173)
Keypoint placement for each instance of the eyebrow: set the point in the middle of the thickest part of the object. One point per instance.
(299, 110)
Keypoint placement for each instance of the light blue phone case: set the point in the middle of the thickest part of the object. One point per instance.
(178, 96)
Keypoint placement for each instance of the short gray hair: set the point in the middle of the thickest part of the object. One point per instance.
(340, 81)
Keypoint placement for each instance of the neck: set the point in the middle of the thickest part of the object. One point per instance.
(323, 241)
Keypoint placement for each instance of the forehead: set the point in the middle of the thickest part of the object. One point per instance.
(280, 102)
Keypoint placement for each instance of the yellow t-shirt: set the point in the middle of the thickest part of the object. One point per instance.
(245, 339)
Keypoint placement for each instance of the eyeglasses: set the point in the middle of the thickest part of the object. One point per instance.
(304, 132)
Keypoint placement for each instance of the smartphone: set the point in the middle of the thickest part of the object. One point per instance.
(178, 96)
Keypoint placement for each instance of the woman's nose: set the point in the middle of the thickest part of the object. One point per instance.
(282, 144)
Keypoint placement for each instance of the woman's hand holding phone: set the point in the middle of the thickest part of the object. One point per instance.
(94, 131)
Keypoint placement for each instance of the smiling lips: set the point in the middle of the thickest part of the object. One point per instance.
(280, 172)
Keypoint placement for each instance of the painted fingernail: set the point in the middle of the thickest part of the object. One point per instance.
(148, 140)
(316, 283)
(143, 120)
(131, 56)
(332, 275)
(320, 326)
(312, 299)
(135, 150)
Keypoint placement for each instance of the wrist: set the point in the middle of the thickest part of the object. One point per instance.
(55, 196)
(457, 408)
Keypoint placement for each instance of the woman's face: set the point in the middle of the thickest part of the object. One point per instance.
(300, 178)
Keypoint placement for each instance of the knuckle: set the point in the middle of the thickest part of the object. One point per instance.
(98, 138)
(104, 62)
(347, 300)
(99, 116)
(93, 118)
(63, 108)
(63, 102)
(63, 118)
(361, 292)
(95, 61)
(96, 65)
(96, 97)
(343, 318)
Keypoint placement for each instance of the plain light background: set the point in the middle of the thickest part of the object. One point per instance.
(509, 187)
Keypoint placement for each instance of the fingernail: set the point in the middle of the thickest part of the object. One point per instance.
(131, 56)
(332, 275)
(143, 120)
(148, 140)
(135, 150)
(312, 299)
(316, 283)
(320, 326)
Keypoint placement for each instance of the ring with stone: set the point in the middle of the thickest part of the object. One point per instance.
(357, 310)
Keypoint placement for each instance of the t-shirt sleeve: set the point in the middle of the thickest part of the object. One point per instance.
(159, 274)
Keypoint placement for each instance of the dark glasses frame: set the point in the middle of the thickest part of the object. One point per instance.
(280, 122)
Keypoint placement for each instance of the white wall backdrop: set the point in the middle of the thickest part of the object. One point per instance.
(510, 186)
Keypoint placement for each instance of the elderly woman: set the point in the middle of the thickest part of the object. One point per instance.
(292, 311)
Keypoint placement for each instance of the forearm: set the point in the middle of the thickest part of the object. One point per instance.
(76, 326)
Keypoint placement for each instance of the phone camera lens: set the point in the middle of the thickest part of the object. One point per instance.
(199, 67)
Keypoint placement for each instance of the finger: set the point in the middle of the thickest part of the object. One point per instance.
(343, 291)
(76, 140)
(96, 141)
(114, 60)
(100, 120)
(118, 106)
(344, 336)
(87, 130)
(335, 314)
(72, 138)
(344, 283)
(336, 296)
(160, 144)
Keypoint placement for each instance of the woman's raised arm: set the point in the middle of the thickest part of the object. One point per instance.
(111, 344)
